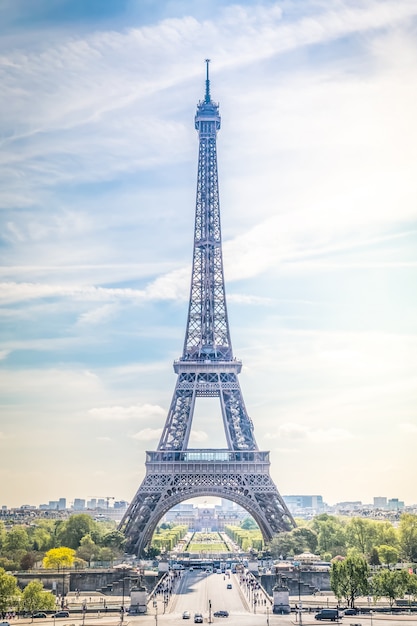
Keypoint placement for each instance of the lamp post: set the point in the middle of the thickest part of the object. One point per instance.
(63, 590)
(300, 606)
(267, 615)
(155, 604)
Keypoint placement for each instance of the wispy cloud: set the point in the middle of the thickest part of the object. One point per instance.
(293, 431)
(148, 434)
(118, 413)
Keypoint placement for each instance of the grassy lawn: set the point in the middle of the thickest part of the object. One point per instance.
(207, 542)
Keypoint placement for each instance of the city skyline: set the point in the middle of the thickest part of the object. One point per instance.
(317, 160)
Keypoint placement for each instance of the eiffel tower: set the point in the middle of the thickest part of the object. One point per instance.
(207, 368)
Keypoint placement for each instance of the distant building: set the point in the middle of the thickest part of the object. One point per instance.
(395, 505)
(304, 505)
(92, 504)
(121, 504)
(210, 519)
(380, 502)
(62, 504)
(353, 505)
(79, 504)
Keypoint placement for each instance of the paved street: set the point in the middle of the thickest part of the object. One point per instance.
(197, 591)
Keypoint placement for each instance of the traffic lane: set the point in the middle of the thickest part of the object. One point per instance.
(191, 594)
(197, 588)
(223, 598)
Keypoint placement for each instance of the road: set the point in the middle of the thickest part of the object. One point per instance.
(197, 589)
(194, 592)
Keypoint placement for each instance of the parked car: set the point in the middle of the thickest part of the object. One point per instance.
(186, 615)
(39, 615)
(229, 586)
(351, 611)
(198, 618)
(221, 614)
(4, 624)
(61, 614)
(330, 614)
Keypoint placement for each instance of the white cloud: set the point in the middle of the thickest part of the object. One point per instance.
(298, 431)
(148, 434)
(137, 412)
(98, 315)
(198, 436)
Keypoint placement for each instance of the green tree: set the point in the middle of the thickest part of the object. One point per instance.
(388, 554)
(28, 560)
(41, 539)
(106, 554)
(2, 534)
(35, 598)
(374, 557)
(283, 545)
(9, 592)
(331, 534)
(306, 539)
(361, 534)
(77, 527)
(386, 534)
(58, 558)
(410, 585)
(16, 540)
(151, 552)
(349, 577)
(88, 549)
(249, 524)
(389, 584)
(407, 531)
(114, 539)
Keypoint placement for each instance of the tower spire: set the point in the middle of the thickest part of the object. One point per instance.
(207, 96)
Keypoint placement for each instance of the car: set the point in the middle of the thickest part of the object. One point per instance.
(186, 615)
(39, 615)
(221, 614)
(229, 586)
(198, 618)
(61, 614)
(4, 624)
(351, 611)
(331, 614)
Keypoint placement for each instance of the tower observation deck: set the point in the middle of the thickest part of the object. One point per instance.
(206, 368)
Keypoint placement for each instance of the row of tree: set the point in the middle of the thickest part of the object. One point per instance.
(33, 598)
(168, 537)
(23, 546)
(351, 577)
(329, 536)
(246, 539)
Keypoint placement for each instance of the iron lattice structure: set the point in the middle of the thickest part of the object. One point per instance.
(206, 368)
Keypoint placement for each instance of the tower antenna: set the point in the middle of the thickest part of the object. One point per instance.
(207, 96)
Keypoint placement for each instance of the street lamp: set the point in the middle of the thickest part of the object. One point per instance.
(300, 606)
(155, 604)
(267, 615)
(63, 590)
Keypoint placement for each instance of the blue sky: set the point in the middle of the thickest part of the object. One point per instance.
(317, 167)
